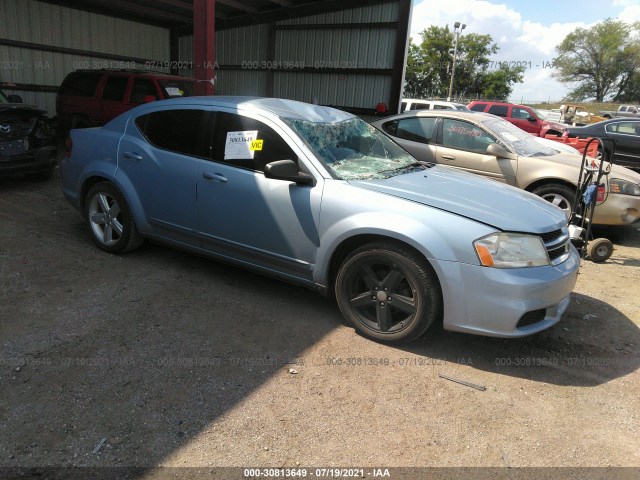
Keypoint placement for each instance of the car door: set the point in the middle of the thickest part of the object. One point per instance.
(113, 97)
(414, 134)
(525, 120)
(269, 223)
(464, 145)
(159, 156)
(626, 135)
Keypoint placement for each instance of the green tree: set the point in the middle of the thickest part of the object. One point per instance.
(429, 67)
(602, 61)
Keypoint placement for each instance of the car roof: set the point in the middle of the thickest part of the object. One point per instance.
(461, 114)
(290, 109)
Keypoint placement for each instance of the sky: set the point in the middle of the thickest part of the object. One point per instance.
(526, 31)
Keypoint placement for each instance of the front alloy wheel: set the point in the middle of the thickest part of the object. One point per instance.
(388, 293)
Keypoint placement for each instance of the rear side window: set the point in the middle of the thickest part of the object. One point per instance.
(175, 130)
(414, 129)
(420, 106)
(114, 88)
(442, 107)
(499, 110)
(80, 84)
(247, 143)
(479, 107)
(627, 128)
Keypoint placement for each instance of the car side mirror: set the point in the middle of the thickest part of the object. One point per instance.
(14, 98)
(531, 118)
(287, 170)
(498, 151)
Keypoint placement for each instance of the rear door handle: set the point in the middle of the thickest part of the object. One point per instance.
(132, 155)
(448, 157)
(214, 176)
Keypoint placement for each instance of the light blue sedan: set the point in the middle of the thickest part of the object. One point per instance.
(318, 197)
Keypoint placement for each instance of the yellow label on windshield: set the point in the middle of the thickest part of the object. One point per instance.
(256, 144)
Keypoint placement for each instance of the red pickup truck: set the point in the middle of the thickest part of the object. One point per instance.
(526, 118)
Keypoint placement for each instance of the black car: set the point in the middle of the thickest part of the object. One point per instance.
(27, 140)
(625, 136)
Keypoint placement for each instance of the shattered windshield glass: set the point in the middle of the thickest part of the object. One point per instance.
(354, 150)
(518, 140)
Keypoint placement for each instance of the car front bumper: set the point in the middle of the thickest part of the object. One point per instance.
(34, 161)
(505, 302)
(617, 209)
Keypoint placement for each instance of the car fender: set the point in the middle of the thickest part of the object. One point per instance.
(426, 237)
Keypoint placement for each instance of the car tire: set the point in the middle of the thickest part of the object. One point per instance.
(110, 220)
(599, 250)
(559, 195)
(375, 275)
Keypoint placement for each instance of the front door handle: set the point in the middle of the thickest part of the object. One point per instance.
(448, 157)
(214, 176)
(132, 155)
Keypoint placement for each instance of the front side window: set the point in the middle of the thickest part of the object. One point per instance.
(247, 143)
(520, 113)
(174, 130)
(414, 129)
(465, 136)
(354, 150)
(142, 89)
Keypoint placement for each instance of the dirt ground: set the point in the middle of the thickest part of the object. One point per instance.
(160, 358)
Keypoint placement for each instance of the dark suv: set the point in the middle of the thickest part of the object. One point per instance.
(526, 118)
(90, 98)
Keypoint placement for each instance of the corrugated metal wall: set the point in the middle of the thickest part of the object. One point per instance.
(43, 23)
(243, 52)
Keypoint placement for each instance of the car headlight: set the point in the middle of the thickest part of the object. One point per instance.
(624, 187)
(511, 250)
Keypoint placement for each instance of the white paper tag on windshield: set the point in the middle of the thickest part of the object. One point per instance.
(238, 145)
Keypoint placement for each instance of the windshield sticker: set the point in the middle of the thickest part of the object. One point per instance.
(464, 131)
(238, 145)
(174, 91)
(256, 145)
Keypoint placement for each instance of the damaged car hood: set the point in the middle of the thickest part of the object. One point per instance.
(499, 205)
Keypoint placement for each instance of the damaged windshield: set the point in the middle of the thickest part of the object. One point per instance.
(354, 150)
(518, 140)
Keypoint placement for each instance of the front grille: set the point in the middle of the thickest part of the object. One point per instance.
(558, 245)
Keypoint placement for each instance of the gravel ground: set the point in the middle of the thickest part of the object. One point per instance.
(160, 358)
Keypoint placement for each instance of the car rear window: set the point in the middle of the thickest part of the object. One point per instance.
(479, 107)
(176, 130)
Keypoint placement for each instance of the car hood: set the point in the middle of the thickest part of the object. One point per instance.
(492, 203)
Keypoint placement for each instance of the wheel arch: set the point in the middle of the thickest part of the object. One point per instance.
(348, 245)
(549, 181)
(129, 195)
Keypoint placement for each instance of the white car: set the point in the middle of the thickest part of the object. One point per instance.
(413, 104)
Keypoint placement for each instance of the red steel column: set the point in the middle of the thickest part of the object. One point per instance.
(204, 53)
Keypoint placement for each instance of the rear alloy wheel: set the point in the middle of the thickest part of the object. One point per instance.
(559, 195)
(388, 293)
(110, 220)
